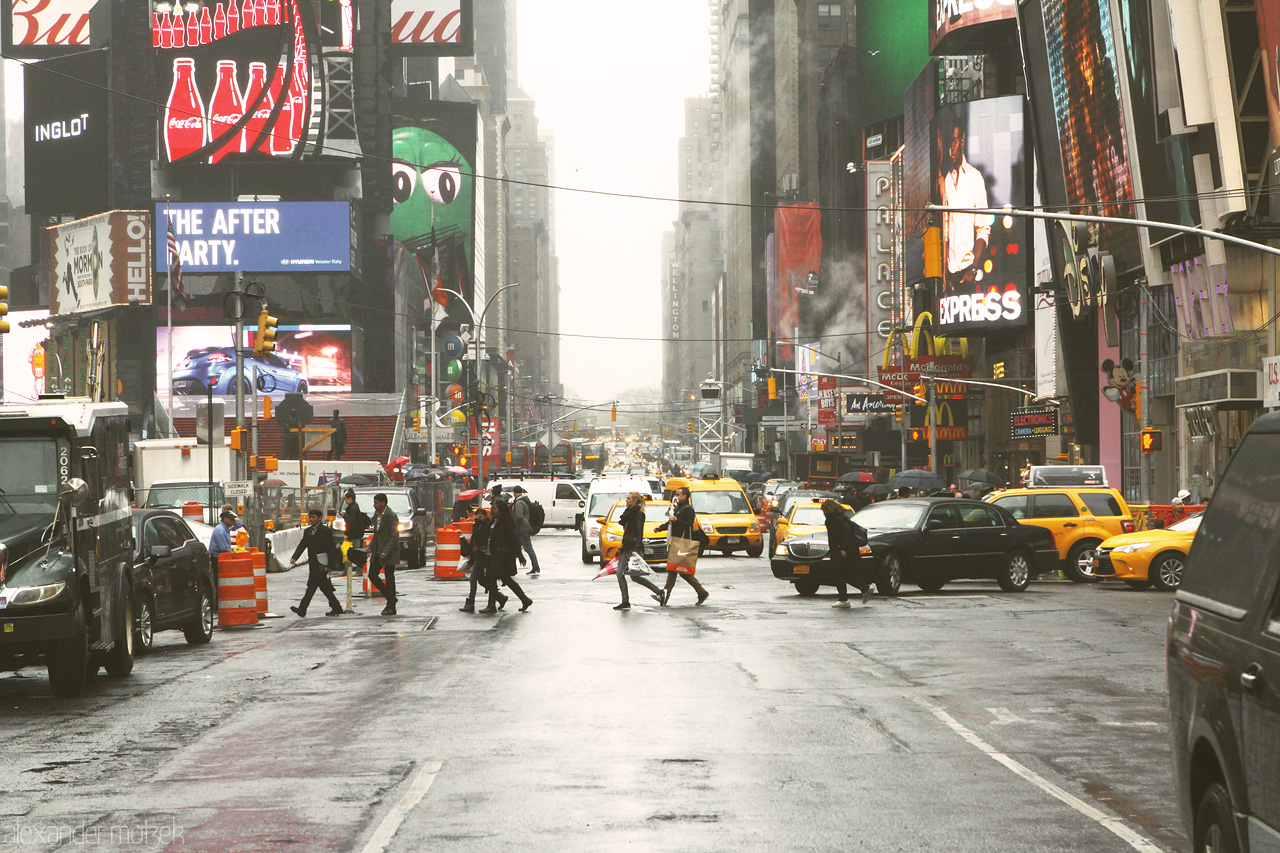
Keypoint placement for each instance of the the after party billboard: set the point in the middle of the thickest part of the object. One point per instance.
(433, 146)
(98, 262)
(38, 28)
(254, 79)
(431, 27)
(66, 118)
(308, 358)
(278, 236)
(980, 162)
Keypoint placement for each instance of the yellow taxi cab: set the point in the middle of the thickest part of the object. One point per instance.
(1079, 517)
(803, 517)
(724, 513)
(1147, 558)
(655, 543)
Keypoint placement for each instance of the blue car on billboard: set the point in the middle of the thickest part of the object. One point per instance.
(216, 367)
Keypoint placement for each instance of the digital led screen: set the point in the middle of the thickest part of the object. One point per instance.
(979, 157)
(281, 236)
(254, 79)
(66, 121)
(433, 146)
(23, 358)
(308, 358)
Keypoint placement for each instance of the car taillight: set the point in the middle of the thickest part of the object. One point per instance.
(1128, 526)
(217, 357)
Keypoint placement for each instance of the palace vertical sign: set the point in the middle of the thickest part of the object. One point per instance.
(882, 225)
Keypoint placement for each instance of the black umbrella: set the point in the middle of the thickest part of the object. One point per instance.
(857, 477)
(981, 475)
(357, 480)
(876, 490)
(917, 479)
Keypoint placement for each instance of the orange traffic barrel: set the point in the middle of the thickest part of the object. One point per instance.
(448, 553)
(260, 580)
(237, 597)
(192, 508)
(465, 526)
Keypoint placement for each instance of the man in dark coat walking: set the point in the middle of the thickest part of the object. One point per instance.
(317, 541)
(846, 537)
(384, 552)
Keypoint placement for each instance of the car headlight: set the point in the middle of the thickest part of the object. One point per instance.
(611, 536)
(339, 523)
(1129, 549)
(33, 594)
(707, 527)
(755, 526)
(404, 526)
(781, 550)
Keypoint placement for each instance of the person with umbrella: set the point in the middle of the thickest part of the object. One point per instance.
(632, 521)
(846, 537)
(480, 571)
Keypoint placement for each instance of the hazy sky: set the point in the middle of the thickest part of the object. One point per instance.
(610, 80)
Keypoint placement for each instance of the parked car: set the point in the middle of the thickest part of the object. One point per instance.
(216, 367)
(1222, 657)
(655, 544)
(602, 494)
(562, 503)
(1079, 517)
(928, 542)
(174, 586)
(404, 502)
(724, 513)
(1149, 557)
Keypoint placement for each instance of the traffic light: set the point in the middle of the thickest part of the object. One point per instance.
(4, 309)
(265, 342)
(1151, 440)
(266, 407)
(920, 391)
(417, 420)
(692, 428)
(918, 434)
(899, 413)
(237, 440)
(613, 415)
(773, 388)
(932, 239)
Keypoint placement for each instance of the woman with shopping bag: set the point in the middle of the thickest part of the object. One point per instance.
(629, 560)
(682, 547)
(504, 550)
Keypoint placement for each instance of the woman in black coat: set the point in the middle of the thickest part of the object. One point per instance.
(504, 550)
(480, 571)
(846, 539)
(683, 522)
(632, 522)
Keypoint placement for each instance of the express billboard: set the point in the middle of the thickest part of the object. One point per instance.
(308, 358)
(66, 121)
(979, 162)
(432, 27)
(255, 79)
(97, 262)
(281, 236)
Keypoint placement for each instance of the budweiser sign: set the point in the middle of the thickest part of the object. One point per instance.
(50, 23)
(427, 22)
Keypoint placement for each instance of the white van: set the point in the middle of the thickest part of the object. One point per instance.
(602, 495)
(563, 504)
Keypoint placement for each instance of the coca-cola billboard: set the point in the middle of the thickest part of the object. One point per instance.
(67, 167)
(41, 28)
(97, 262)
(253, 79)
(432, 27)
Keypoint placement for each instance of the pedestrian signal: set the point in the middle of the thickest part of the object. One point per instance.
(918, 435)
(1151, 441)
(265, 342)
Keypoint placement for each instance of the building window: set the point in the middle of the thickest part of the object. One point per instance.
(828, 14)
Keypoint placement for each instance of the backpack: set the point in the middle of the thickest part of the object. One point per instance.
(537, 515)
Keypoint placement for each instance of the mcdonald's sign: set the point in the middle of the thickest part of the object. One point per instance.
(950, 432)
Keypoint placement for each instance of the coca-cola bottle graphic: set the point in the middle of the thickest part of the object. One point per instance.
(348, 24)
(257, 122)
(282, 141)
(220, 22)
(185, 127)
(193, 30)
(206, 26)
(226, 110)
(179, 29)
(233, 17)
(299, 88)
(267, 14)
(166, 31)
(155, 29)
(249, 18)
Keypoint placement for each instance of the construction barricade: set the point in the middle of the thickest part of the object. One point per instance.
(448, 553)
(237, 594)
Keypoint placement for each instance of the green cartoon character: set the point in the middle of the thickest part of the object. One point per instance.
(433, 191)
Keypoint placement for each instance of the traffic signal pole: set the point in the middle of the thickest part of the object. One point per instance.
(931, 422)
(240, 473)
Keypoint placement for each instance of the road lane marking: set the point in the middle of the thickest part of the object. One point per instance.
(417, 790)
(1112, 824)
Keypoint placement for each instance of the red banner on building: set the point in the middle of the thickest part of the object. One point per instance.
(798, 231)
(826, 400)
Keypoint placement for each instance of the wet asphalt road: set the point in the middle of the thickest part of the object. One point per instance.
(969, 720)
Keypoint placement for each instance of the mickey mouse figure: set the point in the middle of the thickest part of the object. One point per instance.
(1122, 384)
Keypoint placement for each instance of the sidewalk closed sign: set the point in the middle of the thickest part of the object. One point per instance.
(1033, 423)
(237, 489)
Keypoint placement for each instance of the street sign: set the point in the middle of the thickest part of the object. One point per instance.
(416, 435)
(238, 489)
(774, 420)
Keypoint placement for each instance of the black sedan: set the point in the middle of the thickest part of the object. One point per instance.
(173, 585)
(928, 541)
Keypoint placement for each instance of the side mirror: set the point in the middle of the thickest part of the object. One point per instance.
(933, 524)
(159, 551)
(600, 519)
(75, 490)
(422, 510)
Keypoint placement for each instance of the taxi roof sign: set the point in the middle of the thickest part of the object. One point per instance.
(1054, 476)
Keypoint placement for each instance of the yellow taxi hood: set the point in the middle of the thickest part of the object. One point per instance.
(1152, 536)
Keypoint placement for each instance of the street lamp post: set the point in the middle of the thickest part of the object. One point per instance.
(478, 323)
